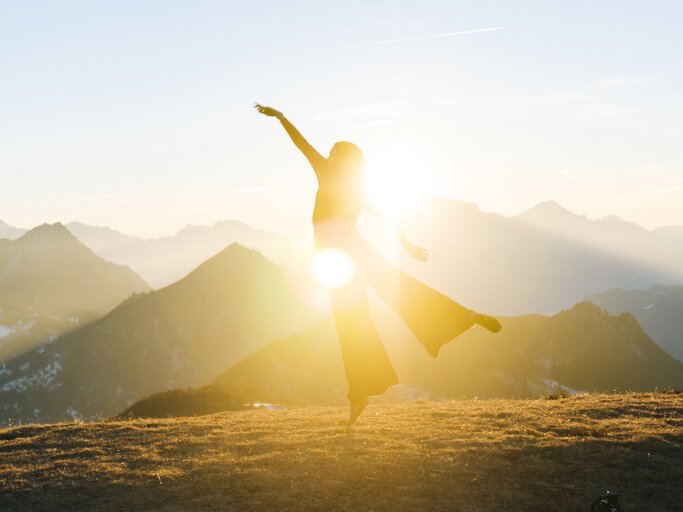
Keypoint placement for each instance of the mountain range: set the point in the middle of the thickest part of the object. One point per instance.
(162, 261)
(225, 314)
(659, 309)
(50, 283)
(48, 269)
(580, 349)
(659, 248)
(181, 335)
(542, 261)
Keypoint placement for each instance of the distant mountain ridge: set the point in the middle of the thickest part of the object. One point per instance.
(542, 261)
(48, 269)
(179, 336)
(101, 239)
(612, 235)
(659, 309)
(548, 256)
(51, 284)
(162, 261)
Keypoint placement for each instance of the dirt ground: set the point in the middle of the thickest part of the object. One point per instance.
(470, 455)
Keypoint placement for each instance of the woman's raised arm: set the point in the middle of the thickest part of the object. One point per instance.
(309, 151)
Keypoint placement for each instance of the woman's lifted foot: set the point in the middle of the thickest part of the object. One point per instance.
(487, 322)
(355, 410)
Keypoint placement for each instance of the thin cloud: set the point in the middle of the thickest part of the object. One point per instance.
(422, 38)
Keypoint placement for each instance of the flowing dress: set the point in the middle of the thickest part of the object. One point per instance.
(434, 318)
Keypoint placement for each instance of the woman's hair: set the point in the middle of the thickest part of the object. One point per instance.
(349, 154)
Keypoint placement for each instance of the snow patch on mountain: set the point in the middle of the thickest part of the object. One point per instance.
(4, 370)
(40, 379)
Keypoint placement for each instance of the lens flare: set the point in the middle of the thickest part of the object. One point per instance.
(332, 268)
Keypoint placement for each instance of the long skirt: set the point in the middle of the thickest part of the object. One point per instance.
(434, 318)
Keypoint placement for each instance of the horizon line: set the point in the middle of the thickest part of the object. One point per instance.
(125, 232)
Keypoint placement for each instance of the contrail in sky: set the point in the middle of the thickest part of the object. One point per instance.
(434, 36)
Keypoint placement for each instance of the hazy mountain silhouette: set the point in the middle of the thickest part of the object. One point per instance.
(50, 270)
(162, 261)
(101, 239)
(540, 262)
(10, 232)
(181, 335)
(558, 257)
(659, 309)
(50, 284)
(660, 248)
(581, 349)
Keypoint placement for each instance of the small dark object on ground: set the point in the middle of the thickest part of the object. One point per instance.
(608, 502)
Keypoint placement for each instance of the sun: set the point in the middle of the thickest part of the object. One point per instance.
(332, 268)
(398, 180)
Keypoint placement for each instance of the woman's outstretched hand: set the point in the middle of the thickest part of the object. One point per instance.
(416, 252)
(267, 111)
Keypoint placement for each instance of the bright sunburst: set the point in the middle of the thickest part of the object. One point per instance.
(398, 180)
(332, 268)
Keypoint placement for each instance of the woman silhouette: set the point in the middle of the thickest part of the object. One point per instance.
(434, 318)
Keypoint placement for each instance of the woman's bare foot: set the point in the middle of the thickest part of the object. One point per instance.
(487, 322)
(355, 410)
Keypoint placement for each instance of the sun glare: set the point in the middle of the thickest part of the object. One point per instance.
(332, 268)
(398, 181)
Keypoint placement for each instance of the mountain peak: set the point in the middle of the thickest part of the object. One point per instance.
(589, 311)
(235, 259)
(548, 208)
(610, 218)
(238, 252)
(586, 309)
(221, 224)
(46, 231)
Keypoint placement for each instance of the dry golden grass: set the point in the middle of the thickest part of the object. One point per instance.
(526, 455)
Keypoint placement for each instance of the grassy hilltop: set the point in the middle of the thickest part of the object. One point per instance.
(471, 455)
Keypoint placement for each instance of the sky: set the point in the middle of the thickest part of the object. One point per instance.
(138, 114)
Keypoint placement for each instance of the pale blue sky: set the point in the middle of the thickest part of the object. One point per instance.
(137, 114)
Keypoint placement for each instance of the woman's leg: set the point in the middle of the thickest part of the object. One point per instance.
(366, 363)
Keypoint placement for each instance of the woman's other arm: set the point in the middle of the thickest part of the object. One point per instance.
(414, 251)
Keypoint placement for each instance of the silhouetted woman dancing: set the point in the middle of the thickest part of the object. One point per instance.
(434, 318)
